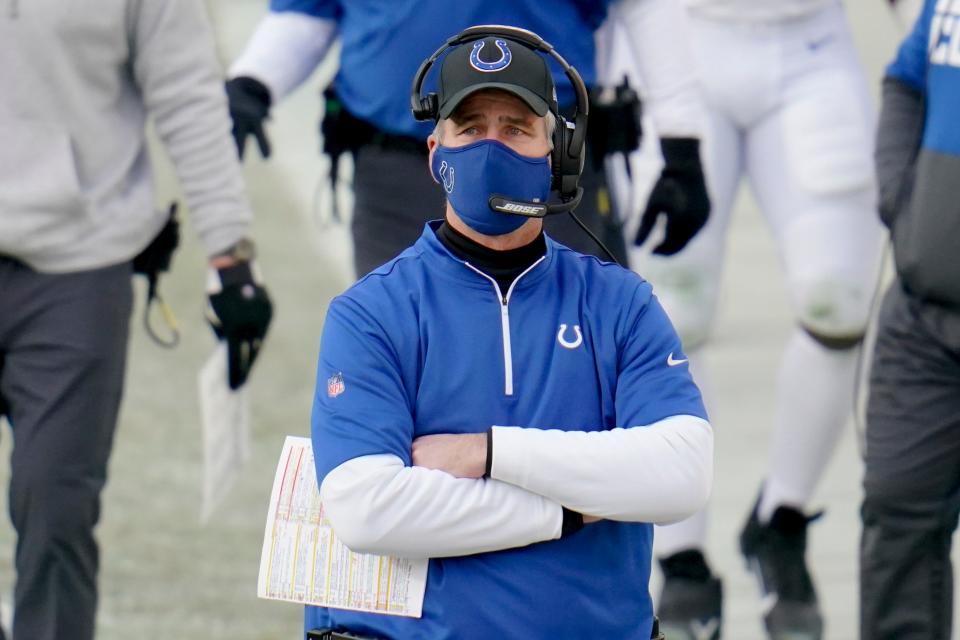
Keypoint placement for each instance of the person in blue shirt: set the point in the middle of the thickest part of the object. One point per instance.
(515, 411)
(383, 41)
(912, 462)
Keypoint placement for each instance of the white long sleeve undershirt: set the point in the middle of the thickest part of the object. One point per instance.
(662, 473)
(378, 505)
(284, 50)
(658, 473)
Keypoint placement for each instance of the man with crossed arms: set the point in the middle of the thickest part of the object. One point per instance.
(537, 530)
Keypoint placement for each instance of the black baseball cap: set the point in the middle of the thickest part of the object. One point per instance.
(495, 63)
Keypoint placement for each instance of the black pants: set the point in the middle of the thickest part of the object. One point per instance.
(394, 195)
(912, 479)
(63, 343)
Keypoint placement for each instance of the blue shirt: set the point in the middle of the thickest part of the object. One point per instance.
(929, 61)
(384, 42)
(419, 347)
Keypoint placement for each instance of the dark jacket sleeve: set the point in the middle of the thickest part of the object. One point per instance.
(898, 140)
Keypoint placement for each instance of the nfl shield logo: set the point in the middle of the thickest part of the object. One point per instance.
(335, 385)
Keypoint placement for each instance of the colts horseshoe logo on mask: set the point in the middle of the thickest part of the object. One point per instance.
(446, 174)
(496, 65)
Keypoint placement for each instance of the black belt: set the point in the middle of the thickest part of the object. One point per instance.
(328, 634)
(344, 132)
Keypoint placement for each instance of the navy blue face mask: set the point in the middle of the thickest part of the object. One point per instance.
(470, 174)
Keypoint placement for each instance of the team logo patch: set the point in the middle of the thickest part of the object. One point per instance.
(944, 39)
(569, 344)
(446, 174)
(335, 385)
(487, 67)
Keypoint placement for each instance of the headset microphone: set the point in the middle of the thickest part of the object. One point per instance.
(530, 209)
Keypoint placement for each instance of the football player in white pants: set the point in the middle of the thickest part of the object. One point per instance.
(788, 110)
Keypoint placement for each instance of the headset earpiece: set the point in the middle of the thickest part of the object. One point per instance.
(428, 107)
(558, 152)
(566, 160)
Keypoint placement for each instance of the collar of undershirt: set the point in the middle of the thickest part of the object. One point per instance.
(502, 266)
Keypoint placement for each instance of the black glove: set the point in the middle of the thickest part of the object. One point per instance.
(249, 106)
(241, 314)
(680, 194)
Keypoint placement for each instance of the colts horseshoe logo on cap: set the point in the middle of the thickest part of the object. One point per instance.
(496, 65)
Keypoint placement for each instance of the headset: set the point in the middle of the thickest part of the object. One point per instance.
(569, 138)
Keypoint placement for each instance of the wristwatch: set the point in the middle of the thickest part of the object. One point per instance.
(242, 251)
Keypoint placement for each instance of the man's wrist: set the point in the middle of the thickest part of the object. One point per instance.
(244, 250)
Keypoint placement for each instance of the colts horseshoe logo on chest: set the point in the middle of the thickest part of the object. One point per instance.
(563, 337)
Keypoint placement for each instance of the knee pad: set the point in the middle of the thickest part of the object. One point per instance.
(834, 343)
(833, 313)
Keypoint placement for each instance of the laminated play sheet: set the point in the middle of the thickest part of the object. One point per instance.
(303, 561)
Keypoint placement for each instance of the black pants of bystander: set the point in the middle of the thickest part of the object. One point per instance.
(63, 343)
(912, 478)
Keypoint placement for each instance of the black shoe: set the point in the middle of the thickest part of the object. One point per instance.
(775, 554)
(692, 599)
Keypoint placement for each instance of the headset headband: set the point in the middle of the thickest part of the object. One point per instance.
(516, 34)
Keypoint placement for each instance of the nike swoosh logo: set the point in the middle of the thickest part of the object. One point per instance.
(817, 44)
(671, 362)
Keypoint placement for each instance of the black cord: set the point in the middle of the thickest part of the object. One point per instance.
(594, 238)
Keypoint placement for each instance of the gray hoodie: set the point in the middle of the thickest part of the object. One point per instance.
(77, 81)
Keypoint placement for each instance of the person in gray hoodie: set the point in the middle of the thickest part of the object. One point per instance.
(77, 85)
(912, 463)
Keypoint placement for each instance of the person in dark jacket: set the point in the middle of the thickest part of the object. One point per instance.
(912, 477)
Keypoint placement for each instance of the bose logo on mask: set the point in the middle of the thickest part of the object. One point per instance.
(505, 206)
(519, 208)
